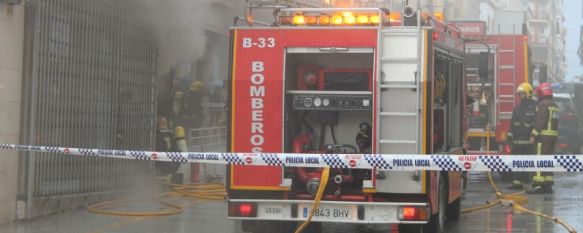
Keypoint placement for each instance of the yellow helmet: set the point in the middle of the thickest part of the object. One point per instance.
(196, 85)
(525, 88)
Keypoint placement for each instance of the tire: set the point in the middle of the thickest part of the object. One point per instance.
(454, 210)
(288, 227)
(437, 222)
(410, 228)
(268, 226)
(313, 227)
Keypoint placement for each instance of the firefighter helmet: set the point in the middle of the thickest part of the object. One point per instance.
(525, 88)
(544, 89)
(196, 86)
(162, 122)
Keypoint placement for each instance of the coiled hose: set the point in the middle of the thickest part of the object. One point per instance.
(515, 199)
(201, 191)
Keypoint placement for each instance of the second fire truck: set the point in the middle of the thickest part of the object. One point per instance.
(496, 65)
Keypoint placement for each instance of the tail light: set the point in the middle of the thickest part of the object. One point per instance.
(242, 210)
(507, 149)
(412, 213)
(563, 146)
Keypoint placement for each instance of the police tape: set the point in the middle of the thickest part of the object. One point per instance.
(393, 162)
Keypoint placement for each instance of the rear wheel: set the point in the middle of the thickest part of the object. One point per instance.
(313, 227)
(269, 226)
(410, 228)
(288, 227)
(454, 210)
(437, 221)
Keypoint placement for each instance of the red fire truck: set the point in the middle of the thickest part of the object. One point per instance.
(496, 64)
(345, 81)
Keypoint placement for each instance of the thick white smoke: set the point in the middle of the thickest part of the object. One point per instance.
(179, 29)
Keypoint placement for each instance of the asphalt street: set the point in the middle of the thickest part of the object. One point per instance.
(209, 216)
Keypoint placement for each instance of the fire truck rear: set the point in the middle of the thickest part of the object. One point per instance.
(351, 82)
(496, 65)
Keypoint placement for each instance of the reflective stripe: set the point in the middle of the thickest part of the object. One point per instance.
(535, 179)
(538, 179)
(517, 182)
(521, 142)
(552, 114)
(534, 132)
(548, 132)
(549, 178)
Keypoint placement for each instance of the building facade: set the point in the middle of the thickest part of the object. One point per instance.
(11, 47)
(546, 35)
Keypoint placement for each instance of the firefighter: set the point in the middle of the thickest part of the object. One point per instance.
(164, 143)
(178, 117)
(521, 129)
(544, 135)
(193, 105)
(163, 135)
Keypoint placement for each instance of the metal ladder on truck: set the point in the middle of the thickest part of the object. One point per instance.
(398, 96)
(506, 79)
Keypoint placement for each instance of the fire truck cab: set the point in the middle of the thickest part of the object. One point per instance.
(335, 81)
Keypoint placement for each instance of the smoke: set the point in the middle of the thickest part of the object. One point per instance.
(179, 29)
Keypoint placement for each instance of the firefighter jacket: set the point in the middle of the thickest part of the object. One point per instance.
(546, 119)
(522, 122)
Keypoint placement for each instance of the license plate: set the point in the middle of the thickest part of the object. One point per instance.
(330, 212)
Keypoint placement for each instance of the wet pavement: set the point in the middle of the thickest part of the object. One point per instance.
(209, 216)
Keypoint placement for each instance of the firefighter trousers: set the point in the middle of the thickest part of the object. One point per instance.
(519, 178)
(544, 146)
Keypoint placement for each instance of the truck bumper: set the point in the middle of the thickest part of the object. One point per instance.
(330, 211)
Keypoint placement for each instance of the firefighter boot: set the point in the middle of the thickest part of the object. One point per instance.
(516, 185)
(538, 185)
(548, 184)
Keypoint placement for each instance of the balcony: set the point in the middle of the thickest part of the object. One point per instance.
(540, 53)
(539, 16)
(537, 40)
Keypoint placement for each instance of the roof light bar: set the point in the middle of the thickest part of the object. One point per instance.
(333, 16)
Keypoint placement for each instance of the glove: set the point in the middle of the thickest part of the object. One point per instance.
(532, 140)
(509, 138)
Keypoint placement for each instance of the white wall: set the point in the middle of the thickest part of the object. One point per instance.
(11, 51)
(487, 15)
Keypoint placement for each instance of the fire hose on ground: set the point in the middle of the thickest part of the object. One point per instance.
(488, 163)
(514, 200)
(200, 191)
